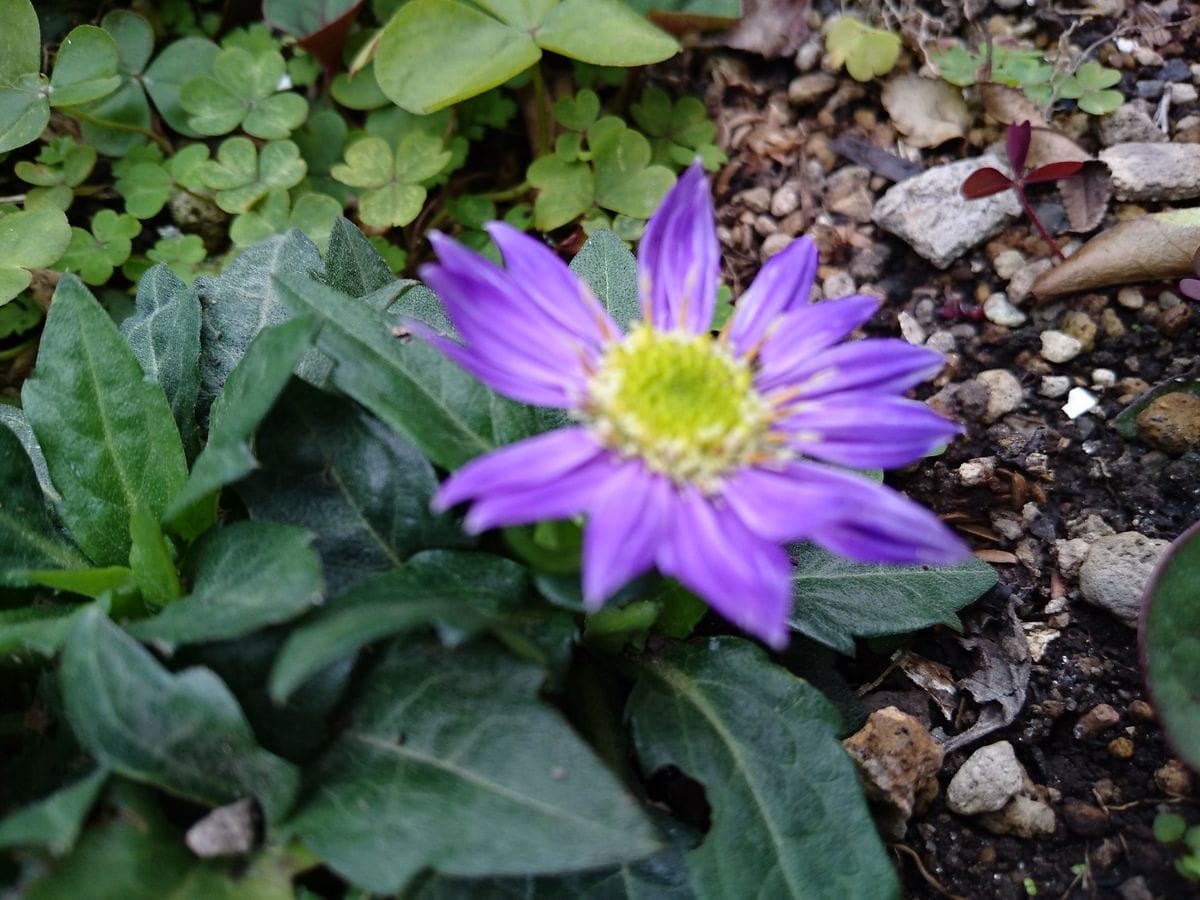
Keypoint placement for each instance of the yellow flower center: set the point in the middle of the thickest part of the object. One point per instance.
(679, 401)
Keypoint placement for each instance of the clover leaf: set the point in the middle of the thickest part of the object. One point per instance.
(116, 124)
(181, 253)
(175, 66)
(865, 51)
(311, 213)
(61, 166)
(21, 315)
(242, 176)
(392, 181)
(1089, 87)
(31, 239)
(146, 180)
(679, 131)
(95, 254)
(243, 91)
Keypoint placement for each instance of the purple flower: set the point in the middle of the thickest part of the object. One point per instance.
(693, 454)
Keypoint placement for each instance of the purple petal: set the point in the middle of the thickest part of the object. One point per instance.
(866, 431)
(784, 283)
(807, 330)
(678, 257)
(552, 286)
(522, 466)
(743, 577)
(1190, 287)
(882, 365)
(624, 530)
(567, 495)
(844, 513)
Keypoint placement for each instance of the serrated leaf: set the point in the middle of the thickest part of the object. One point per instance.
(86, 67)
(788, 815)
(182, 732)
(53, 823)
(408, 384)
(459, 592)
(610, 270)
(452, 763)
(836, 600)
(247, 396)
(107, 434)
(1169, 636)
(29, 239)
(178, 63)
(364, 491)
(164, 334)
(244, 577)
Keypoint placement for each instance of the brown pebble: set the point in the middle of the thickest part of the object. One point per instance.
(1172, 322)
(1121, 748)
(1095, 720)
(987, 856)
(1106, 791)
(1052, 709)
(1105, 855)
(1141, 711)
(1174, 779)
(1171, 422)
(1084, 819)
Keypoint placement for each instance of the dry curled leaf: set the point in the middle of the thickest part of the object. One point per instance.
(1148, 248)
(1086, 196)
(1008, 105)
(926, 112)
(770, 27)
(1049, 146)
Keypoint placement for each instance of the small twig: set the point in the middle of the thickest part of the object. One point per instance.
(13, 198)
(925, 873)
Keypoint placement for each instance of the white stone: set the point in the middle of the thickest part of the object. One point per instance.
(1115, 572)
(785, 201)
(1071, 554)
(839, 284)
(1004, 393)
(1103, 378)
(1054, 385)
(1079, 401)
(1024, 817)
(942, 341)
(977, 471)
(989, 778)
(1183, 93)
(1131, 298)
(1008, 263)
(774, 243)
(757, 199)
(910, 329)
(998, 310)
(1059, 347)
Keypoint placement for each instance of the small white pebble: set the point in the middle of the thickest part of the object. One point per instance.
(942, 341)
(839, 284)
(1103, 378)
(910, 329)
(1054, 385)
(1131, 298)
(1008, 263)
(1079, 401)
(976, 471)
(1059, 347)
(1183, 93)
(999, 311)
(775, 243)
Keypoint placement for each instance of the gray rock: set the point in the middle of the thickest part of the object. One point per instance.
(1142, 171)
(785, 201)
(1022, 280)
(1023, 817)
(1116, 570)
(1004, 393)
(928, 212)
(757, 199)
(1183, 94)
(987, 780)
(1131, 122)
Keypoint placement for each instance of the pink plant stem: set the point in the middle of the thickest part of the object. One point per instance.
(1037, 222)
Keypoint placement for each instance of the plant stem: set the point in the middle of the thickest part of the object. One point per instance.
(1037, 223)
(507, 194)
(541, 117)
(163, 143)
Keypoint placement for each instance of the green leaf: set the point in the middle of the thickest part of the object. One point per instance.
(90, 582)
(24, 111)
(151, 561)
(30, 239)
(434, 53)
(410, 385)
(788, 815)
(242, 91)
(865, 51)
(604, 33)
(117, 123)
(452, 763)
(60, 162)
(145, 185)
(96, 254)
(626, 182)
(107, 433)
(579, 112)
(28, 539)
(86, 67)
(352, 265)
(313, 214)
(1169, 635)
(248, 395)
(358, 91)
(566, 191)
(393, 193)
(244, 576)
(459, 592)
(174, 67)
(609, 269)
(242, 175)
(836, 600)
(182, 732)
(134, 37)
(20, 40)
(164, 334)
(37, 629)
(180, 254)
(332, 468)
(53, 823)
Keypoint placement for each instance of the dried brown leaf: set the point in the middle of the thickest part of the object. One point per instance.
(770, 27)
(1148, 248)
(1007, 105)
(927, 112)
(1049, 146)
(1086, 196)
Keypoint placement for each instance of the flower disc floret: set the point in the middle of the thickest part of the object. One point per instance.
(678, 401)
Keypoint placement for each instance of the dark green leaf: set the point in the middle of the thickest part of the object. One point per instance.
(94, 582)
(244, 576)
(352, 265)
(37, 629)
(151, 561)
(1170, 639)
(28, 539)
(248, 395)
(451, 762)
(609, 269)
(181, 732)
(107, 433)
(788, 816)
(164, 333)
(13, 418)
(334, 469)
(24, 111)
(177, 64)
(460, 592)
(835, 600)
(86, 67)
(53, 823)
(412, 387)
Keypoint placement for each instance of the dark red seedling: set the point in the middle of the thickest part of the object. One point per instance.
(987, 181)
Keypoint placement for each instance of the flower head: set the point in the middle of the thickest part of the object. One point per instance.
(695, 454)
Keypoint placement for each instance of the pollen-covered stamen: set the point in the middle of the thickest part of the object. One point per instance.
(679, 401)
